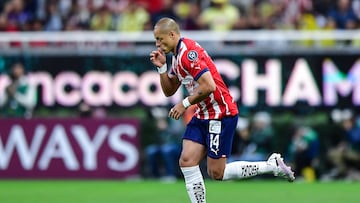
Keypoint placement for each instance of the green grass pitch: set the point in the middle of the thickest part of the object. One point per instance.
(101, 191)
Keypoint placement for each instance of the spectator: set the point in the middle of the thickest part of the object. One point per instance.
(19, 98)
(255, 140)
(5, 25)
(39, 9)
(77, 18)
(274, 14)
(343, 15)
(54, 19)
(182, 8)
(220, 16)
(133, 18)
(192, 15)
(16, 13)
(254, 19)
(64, 7)
(87, 111)
(167, 148)
(345, 156)
(261, 135)
(118, 6)
(241, 139)
(309, 19)
(304, 151)
(102, 20)
(166, 11)
(306, 20)
(188, 18)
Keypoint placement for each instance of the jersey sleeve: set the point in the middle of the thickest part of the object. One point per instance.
(194, 61)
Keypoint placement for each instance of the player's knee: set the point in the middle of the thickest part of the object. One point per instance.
(216, 174)
(185, 161)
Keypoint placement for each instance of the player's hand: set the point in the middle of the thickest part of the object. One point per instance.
(177, 111)
(158, 58)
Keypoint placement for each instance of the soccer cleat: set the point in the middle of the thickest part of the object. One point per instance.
(280, 168)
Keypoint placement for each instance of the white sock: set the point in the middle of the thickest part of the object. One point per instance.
(244, 169)
(194, 182)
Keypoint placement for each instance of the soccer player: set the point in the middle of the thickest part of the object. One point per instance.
(211, 130)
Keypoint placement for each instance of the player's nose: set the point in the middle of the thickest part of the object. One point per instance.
(157, 44)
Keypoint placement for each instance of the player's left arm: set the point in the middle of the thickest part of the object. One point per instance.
(206, 87)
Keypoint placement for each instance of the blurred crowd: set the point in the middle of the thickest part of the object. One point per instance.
(139, 15)
(314, 154)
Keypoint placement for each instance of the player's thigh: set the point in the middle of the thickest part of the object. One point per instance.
(192, 153)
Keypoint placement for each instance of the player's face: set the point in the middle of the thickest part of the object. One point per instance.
(164, 41)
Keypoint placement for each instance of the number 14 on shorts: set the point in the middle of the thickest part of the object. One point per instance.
(214, 130)
(214, 143)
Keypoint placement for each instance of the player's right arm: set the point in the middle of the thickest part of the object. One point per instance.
(169, 84)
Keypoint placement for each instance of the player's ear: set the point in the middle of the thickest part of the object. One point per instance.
(172, 34)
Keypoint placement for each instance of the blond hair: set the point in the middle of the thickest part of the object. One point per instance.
(167, 25)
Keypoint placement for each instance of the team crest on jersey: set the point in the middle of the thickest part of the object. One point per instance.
(192, 55)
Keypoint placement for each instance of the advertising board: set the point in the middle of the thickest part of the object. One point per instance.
(69, 148)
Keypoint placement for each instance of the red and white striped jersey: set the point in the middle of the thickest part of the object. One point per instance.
(190, 62)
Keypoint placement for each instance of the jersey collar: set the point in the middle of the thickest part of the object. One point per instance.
(178, 46)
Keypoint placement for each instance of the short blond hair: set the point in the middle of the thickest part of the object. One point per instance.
(167, 25)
